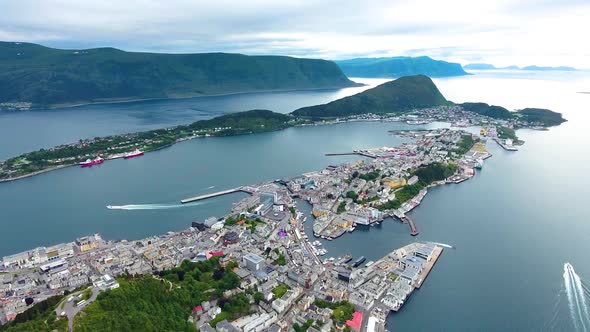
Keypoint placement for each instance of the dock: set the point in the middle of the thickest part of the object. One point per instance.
(437, 251)
(358, 153)
(407, 220)
(216, 194)
(341, 154)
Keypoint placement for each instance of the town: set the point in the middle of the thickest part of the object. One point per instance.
(265, 235)
(93, 151)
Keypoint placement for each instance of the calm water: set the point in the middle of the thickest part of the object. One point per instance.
(514, 225)
(29, 131)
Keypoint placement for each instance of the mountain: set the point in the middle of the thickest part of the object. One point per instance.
(405, 93)
(399, 66)
(540, 68)
(487, 66)
(47, 76)
(479, 66)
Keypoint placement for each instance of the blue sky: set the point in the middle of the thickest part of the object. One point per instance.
(502, 32)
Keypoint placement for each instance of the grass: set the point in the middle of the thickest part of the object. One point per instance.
(280, 290)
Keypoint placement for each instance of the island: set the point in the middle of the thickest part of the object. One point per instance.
(393, 67)
(487, 66)
(34, 76)
(414, 99)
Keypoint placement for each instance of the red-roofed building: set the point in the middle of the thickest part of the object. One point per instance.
(198, 310)
(355, 322)
(217, 253)
(10, 316)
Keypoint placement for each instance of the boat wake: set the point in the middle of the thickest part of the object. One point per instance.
(151, 206)
(444, 245)
(577, 294)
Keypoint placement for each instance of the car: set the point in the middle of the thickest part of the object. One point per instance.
(70, 299)
(63, 314)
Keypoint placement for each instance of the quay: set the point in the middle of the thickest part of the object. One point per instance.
(355, 152)
(506, 146)
(407, 220)
(216, 194)
(437, 251)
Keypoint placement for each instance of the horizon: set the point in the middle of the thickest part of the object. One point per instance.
(519, 67)
(503, 33)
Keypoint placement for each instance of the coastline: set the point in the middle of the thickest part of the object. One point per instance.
(133, 100)
(54, 168)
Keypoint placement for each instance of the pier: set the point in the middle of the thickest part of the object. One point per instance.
(437, 251)
(407, 220)
(216, 194)
(358, 153)
(341, 154)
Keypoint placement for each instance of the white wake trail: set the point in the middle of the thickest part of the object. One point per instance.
(444, 245)
(151, 206)
(576, 298)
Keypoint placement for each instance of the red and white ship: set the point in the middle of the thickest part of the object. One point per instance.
(91, 162)
(133, 154)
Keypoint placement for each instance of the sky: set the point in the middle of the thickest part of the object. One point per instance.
(501, 32)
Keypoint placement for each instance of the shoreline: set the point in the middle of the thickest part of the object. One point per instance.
(134, 100)
(55, 168)
(180, 140)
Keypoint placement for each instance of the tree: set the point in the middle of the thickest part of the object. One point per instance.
(258, 296)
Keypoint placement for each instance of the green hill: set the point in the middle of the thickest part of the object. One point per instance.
(403, 94)
(399, 66)
(47, 76)
(493, 111)
(542, 116)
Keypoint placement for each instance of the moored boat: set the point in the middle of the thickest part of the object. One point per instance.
(91, 162)
(132, 154)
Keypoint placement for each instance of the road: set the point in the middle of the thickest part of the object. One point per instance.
(71, 310)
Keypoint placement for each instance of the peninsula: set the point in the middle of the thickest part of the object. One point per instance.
(393, 67)
(32, 75)
(405, 99)
(253, 269)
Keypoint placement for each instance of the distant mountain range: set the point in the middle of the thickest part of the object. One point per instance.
(47, 77)
(487, 66)
(399, 66)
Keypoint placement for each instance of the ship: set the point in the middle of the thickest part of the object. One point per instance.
(479, 164)
(132, 154)
(91, 162)
(359, 261)
(347, 258)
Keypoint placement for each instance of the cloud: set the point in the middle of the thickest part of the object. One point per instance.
(502, 31)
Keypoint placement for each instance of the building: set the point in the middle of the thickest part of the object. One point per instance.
(59, 251)
(231, 237)
(254, 262)
(106, 282)
(394, 182)
(87, 243)
(413, 180)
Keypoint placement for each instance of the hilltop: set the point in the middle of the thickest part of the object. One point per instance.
(405, 93)
(399, 66)
(46, 76)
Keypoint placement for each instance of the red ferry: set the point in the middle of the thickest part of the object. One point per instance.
(133, 154)
(91, 162)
